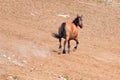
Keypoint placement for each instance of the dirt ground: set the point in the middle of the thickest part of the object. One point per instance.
(29, 52)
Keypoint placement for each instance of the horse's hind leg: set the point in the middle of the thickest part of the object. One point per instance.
(76, 44)
(64, 50)
(60, 46)
(69, 46)
(66, 40)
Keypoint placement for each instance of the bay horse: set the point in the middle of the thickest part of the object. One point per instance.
(69, 31)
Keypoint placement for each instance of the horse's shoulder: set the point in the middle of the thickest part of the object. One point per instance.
(69, 23)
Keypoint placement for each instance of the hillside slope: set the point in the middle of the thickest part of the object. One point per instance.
(29, 52)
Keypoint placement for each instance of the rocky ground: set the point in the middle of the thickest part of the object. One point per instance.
(29, 52)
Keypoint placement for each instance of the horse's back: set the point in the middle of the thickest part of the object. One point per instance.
(70, 30)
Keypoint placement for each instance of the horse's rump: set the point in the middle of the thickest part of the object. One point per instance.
(61, 31)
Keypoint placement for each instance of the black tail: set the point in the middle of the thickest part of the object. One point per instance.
(56, 35)
(62, 33)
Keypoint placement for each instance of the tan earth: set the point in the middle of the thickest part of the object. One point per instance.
(29, 52)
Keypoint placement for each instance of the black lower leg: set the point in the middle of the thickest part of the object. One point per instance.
(68, 46)
(76, 44)
(60, 43)
(64, 51)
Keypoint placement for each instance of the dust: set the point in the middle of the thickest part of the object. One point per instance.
(20, 52)
(30, 49)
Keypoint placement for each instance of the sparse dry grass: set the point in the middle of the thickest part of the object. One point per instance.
(25, 34)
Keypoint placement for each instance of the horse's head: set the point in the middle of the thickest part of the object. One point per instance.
(78, 21)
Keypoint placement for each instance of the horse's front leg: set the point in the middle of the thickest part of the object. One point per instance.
(68, 46)
(77, 42)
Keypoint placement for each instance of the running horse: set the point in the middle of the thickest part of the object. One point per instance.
(69, 31)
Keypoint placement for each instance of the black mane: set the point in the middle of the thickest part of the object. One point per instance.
(76, 21)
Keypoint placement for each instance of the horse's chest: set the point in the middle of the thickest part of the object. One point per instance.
(71, 32)
(73, 36)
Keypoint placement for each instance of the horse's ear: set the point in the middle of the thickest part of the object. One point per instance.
(81, 16)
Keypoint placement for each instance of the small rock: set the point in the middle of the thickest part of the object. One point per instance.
(9, 58)
(24, 61)
(62, 15)
(32, 69)
(62, 78)
(12, 77)
(4, 56)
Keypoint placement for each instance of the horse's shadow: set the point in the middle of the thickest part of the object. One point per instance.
(57, 52)
(54, 51)
(61, 52)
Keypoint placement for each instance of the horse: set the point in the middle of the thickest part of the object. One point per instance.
(69, 31)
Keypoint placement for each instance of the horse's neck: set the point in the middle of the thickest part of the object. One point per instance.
(75, 22)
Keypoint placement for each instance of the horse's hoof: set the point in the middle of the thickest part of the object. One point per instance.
(75, 47)
(60, 47)
(64, 52)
